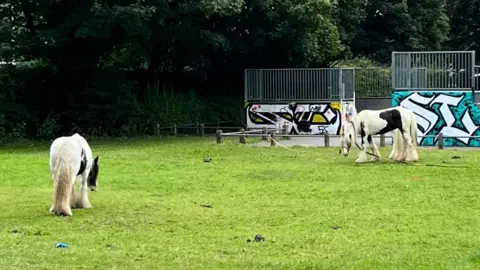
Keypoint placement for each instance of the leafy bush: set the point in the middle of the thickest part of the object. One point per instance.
(49, 128)
(106, 106)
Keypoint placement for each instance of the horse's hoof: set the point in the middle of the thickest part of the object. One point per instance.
(63, 213)
(87, 205)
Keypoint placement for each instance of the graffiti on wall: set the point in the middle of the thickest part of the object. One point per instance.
(300, 118)
(453, 113)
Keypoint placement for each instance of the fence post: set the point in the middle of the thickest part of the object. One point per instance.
(156, 129)
(264, 138)
(272, 139)
(440, 140)
(242, 136)
(198, 129)
(202, 130)
(285, 132)
(326, 139)
(382, 140)
(219, 136)
(175, 130)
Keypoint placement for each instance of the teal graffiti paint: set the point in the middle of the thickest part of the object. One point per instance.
(452, 112)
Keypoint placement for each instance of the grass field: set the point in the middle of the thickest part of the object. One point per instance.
(316, 209)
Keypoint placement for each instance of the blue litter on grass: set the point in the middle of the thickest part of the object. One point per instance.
(62, 245)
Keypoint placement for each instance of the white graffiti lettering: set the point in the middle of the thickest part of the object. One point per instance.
(427, 119)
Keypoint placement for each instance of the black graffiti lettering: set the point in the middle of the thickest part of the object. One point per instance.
(322, 117)
(315, 108)
(322, 130)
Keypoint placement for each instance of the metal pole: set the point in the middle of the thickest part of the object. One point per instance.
(245, 85)
(261, 85)
(393, 69)
(473, 72)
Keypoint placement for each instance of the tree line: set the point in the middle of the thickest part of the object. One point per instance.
(117, 67)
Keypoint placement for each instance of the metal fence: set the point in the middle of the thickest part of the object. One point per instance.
(317, 84)
(373, 82)
(477, 78)
(433, 70)
(299, 84)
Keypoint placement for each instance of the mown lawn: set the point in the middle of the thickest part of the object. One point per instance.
(316, 209)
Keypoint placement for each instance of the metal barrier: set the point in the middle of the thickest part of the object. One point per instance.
(373, 82)
(477, 78)
(409, 71)
(269, 85)
(433, 70)
(301, 84)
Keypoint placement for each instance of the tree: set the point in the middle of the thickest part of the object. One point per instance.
(350, 16)
(391, 25)
(465, 22)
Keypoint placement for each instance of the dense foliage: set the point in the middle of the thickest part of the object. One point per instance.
(118, 66)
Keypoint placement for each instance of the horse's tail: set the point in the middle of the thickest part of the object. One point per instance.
(356, 126)
(414, 129)
(63, 183)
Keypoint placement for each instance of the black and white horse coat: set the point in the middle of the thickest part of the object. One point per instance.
(71, 156)
(373, 122)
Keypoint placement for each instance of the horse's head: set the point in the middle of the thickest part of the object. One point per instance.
(346, 137)
(93, 175)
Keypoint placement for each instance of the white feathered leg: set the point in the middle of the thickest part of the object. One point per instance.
(363, 155)
(375, 152)
(394, 146)
(409, 148)
(84, 202)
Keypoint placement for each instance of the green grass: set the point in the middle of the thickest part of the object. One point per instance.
(316, 209)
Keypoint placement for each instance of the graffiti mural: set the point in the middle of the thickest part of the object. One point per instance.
(452, 113)
(300, 118)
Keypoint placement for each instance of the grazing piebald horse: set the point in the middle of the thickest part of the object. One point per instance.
(71, 156)
(373, 122)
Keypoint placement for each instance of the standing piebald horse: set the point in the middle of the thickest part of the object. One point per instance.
(71, 156)
(373, 122)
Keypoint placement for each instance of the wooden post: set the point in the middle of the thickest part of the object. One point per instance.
(382, 140)
(198, 129)
(219, 136)
(440, 140)
(264, 138)
(202, 130)
(242, 136)
(156, 129)
(175, 130)
(285, 132)
(272, 139)
(326, 139)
